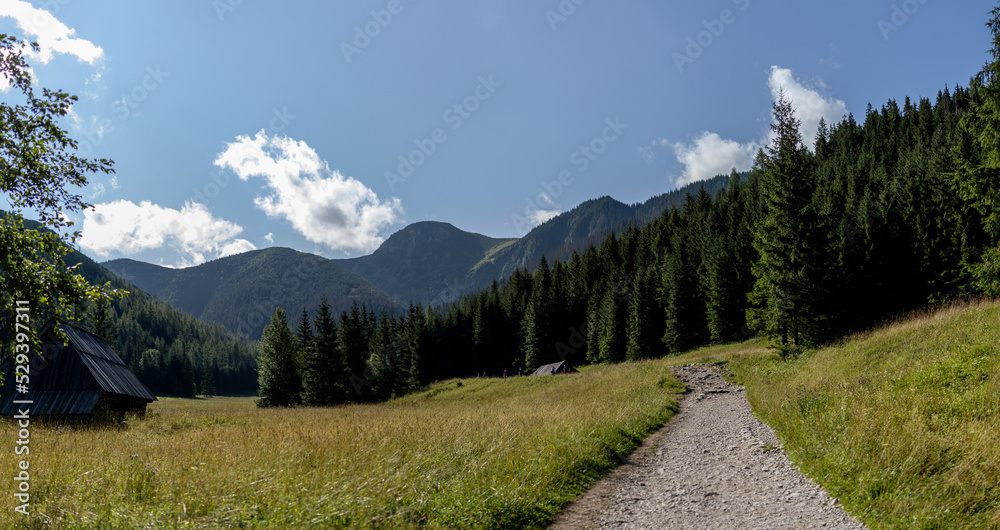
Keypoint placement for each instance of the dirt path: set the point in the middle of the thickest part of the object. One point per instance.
(714, 466)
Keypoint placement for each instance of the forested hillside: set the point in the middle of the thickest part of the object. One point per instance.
(871, 220)
(436, 263)
(426, 262)
(170, 351)
(240, 292)
(575, 230)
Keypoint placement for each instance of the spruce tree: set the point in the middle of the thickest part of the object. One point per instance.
(594, 324)
(536, 325)
(612, 324)
(727, 265)
(323, 370)
(784, 308)
(978, 182)
(352, 346)
(102, 319)
(532, 333)
(641, 336)
(279, 374)
(419, 349)
(385, 363)
(681, 289)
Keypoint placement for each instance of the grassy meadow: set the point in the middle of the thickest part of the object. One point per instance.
(487, 453)
(901, 423)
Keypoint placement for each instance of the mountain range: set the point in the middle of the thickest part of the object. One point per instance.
(426, 263)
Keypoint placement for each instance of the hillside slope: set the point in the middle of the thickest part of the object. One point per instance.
(431, 262)
(242, 291)
(170, 351)
(424, 262)
(590, 222)
(900, 423)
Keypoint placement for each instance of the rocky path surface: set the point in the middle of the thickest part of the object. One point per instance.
(714, 466)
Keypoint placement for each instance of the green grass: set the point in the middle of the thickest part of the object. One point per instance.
(487, 453)
(901, 423)
(490, 255)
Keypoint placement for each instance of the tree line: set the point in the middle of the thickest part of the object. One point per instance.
(865, 222)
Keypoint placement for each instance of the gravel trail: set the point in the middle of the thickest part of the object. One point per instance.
(715, 466)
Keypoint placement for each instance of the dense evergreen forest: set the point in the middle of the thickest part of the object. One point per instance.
(169, 350)
(823, 237)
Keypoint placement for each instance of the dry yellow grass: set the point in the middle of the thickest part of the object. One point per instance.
(470, 453)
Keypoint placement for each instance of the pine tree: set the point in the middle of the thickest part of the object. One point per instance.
(641, 334)
(304, 332)
(536, 325)
(978, 182)
(533, 337)
(784, 308)
(102, 319)
(353, 347)
(594, 324)
(323, 368)
(680, 286)
(279, 374)
(385, 363)
(419, 348)
(611, 327)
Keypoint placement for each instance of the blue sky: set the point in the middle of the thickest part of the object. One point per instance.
(327, 126)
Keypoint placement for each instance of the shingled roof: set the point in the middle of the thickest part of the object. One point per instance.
(555, 368)
(73, 378)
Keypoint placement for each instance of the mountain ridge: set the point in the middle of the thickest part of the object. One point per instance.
(427, 262)
(241, 291)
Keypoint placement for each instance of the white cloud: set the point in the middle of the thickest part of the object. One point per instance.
(125, 227)
(98, 191)
(236, 246)
(323, 205)
(269, 237)
(711, 155)
(810, 106)
(114, 183)
(648, 152)
(537, 217)
(53, 36)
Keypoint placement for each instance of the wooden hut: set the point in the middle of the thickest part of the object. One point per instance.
(555, 368)
(81, 377)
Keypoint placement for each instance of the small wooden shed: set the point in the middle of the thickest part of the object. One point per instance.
(555, 368)
(81, 377)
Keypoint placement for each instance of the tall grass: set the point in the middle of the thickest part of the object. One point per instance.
(490, 453)
(902, 423)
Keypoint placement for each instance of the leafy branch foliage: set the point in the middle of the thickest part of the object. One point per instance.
(38, 168)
